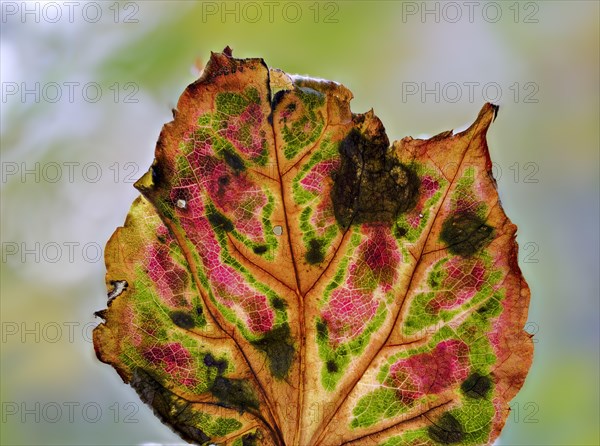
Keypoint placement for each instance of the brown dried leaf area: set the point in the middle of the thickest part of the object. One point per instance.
(289, 277)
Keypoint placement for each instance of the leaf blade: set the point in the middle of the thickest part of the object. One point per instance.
(333, 271)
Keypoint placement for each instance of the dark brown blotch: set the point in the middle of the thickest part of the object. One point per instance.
(466, 233)
(277, 344)
(315, 254)
(182, 319)
(446, 430)
(371, 184)
(476, 386)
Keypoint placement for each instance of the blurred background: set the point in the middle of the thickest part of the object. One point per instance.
(86, 88)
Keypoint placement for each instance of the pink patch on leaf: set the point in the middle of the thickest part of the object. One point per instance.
(169, 278)
(466, 204)
(353, 305)
(163, 232)
(323, 216)
(317, 178)
(247, 125)
(429, 187)
(319, 182)
(414, 218)
(379, 253)
(430, 373)
(175, 360)
(228, 285)
(201, 146)
(234, 194)
(348, 313)
(135, 333)
(464, 278)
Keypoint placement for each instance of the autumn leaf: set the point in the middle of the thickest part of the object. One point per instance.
(288, 277)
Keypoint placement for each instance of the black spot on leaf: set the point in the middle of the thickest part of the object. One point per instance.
(332, 367)
(476, 386)
(219, 221)
(466, 233)
(157, 175)
(277, 98)
(278, 303)
(233, 160)
(446, 430)
(234, 393)
(399, 231)
(182, 319)
(250, 440)
(315, 254)
(220, 364)
(279, 348)
(259, 249)
(322, 331)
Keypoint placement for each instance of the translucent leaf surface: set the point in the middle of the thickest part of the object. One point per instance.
(289, 277)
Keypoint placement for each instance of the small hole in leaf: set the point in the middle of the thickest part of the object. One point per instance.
(277, 230)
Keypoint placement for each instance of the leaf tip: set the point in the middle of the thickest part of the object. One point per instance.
(147, 180)
(496, 108)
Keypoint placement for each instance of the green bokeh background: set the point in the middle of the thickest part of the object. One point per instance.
(374, 50)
